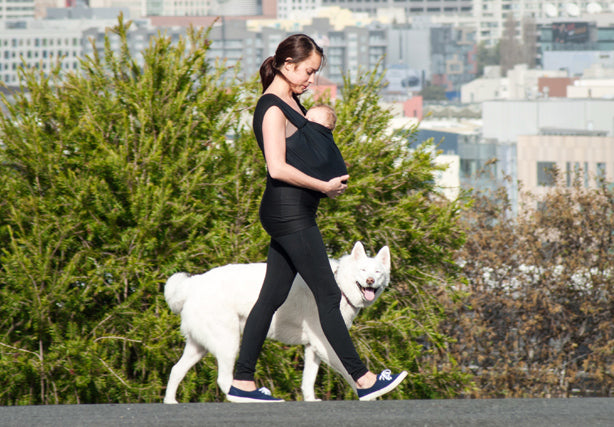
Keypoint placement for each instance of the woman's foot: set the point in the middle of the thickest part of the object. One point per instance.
(366, 381)
(384, 383)
(244, 385)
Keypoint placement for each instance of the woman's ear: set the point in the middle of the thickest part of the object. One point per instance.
(287, 63)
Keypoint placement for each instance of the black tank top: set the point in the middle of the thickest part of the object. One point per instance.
(285, 208)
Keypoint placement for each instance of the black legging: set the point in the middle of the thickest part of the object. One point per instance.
(301, 252)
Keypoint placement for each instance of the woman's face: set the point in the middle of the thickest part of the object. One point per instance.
(302, 74)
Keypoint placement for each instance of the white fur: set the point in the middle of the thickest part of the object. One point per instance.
(214, 306)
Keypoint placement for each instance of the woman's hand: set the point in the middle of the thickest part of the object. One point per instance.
(337, 186)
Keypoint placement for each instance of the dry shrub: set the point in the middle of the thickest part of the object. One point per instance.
(535, 317)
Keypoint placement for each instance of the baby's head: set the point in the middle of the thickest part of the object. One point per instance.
(322, 114)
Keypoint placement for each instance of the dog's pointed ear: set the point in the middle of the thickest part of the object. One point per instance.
(334, 265)
(383, 256)
(359, 251)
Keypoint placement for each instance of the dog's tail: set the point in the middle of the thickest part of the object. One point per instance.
(175, 291)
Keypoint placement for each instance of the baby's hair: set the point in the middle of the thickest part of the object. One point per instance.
(331, 112)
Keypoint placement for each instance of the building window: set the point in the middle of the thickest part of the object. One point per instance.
(574, 174)
(469, 167)
(571, 172)
(546, 174)
(600, 177)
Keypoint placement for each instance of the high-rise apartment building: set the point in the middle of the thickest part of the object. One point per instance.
(135, 7)
(492, 14)
(488, 17)
(201, 7)
(287, 9)
(16, 9)
(40, 46)
(411, 7)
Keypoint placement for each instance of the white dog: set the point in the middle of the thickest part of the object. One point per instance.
(215, 305)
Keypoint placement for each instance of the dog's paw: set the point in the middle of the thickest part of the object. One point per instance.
(312, 399)
(170, 402)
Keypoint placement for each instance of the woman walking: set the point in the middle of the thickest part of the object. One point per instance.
(288, 214)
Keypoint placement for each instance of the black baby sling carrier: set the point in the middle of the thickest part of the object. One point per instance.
(312, 148)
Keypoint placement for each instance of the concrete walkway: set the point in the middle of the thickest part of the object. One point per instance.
(586, 412)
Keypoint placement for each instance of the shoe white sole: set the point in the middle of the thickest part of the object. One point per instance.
(382, 391)
(238, 399)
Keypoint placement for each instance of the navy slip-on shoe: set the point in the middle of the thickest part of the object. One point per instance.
(262, 395)
(385, 382)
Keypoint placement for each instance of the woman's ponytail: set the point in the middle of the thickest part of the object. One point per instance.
(267, 72)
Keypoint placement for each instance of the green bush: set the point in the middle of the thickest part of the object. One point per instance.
(119, 175)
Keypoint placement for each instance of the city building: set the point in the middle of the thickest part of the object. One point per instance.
(16, 9)
(516, 144)
(520, 83)
(504, 121)
(580, 121)
(137, 38)
(554, 86)
(489, 17)
(572, 34)
(349, 50)
(418, 54)
(582, 157)
(296, 9)
(575, 62)
(453, 58)
(39, 46)
(576, 45)
(136, 7)
(92, 15)
(40, 7)
(42, 44)
(448, 180)
(591, 88)
(236, 45)
(488, 87)
(201, 8)
(477, 168)
(409, 7)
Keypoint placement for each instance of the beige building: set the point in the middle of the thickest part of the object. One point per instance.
(448, 180)
(591, 88)
(520, 83)
(583, 156)
(489, 87)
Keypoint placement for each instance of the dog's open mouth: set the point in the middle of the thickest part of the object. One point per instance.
(368, 292)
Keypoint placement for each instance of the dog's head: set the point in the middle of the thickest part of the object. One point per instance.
(361, 278)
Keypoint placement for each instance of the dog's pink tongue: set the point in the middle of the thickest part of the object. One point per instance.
(369, 294)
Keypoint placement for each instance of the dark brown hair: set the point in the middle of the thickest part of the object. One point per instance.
(299, 47)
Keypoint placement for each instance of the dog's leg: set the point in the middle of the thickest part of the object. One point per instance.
(226, 354)
(191, 355)
(310, 372)
(225, 367)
